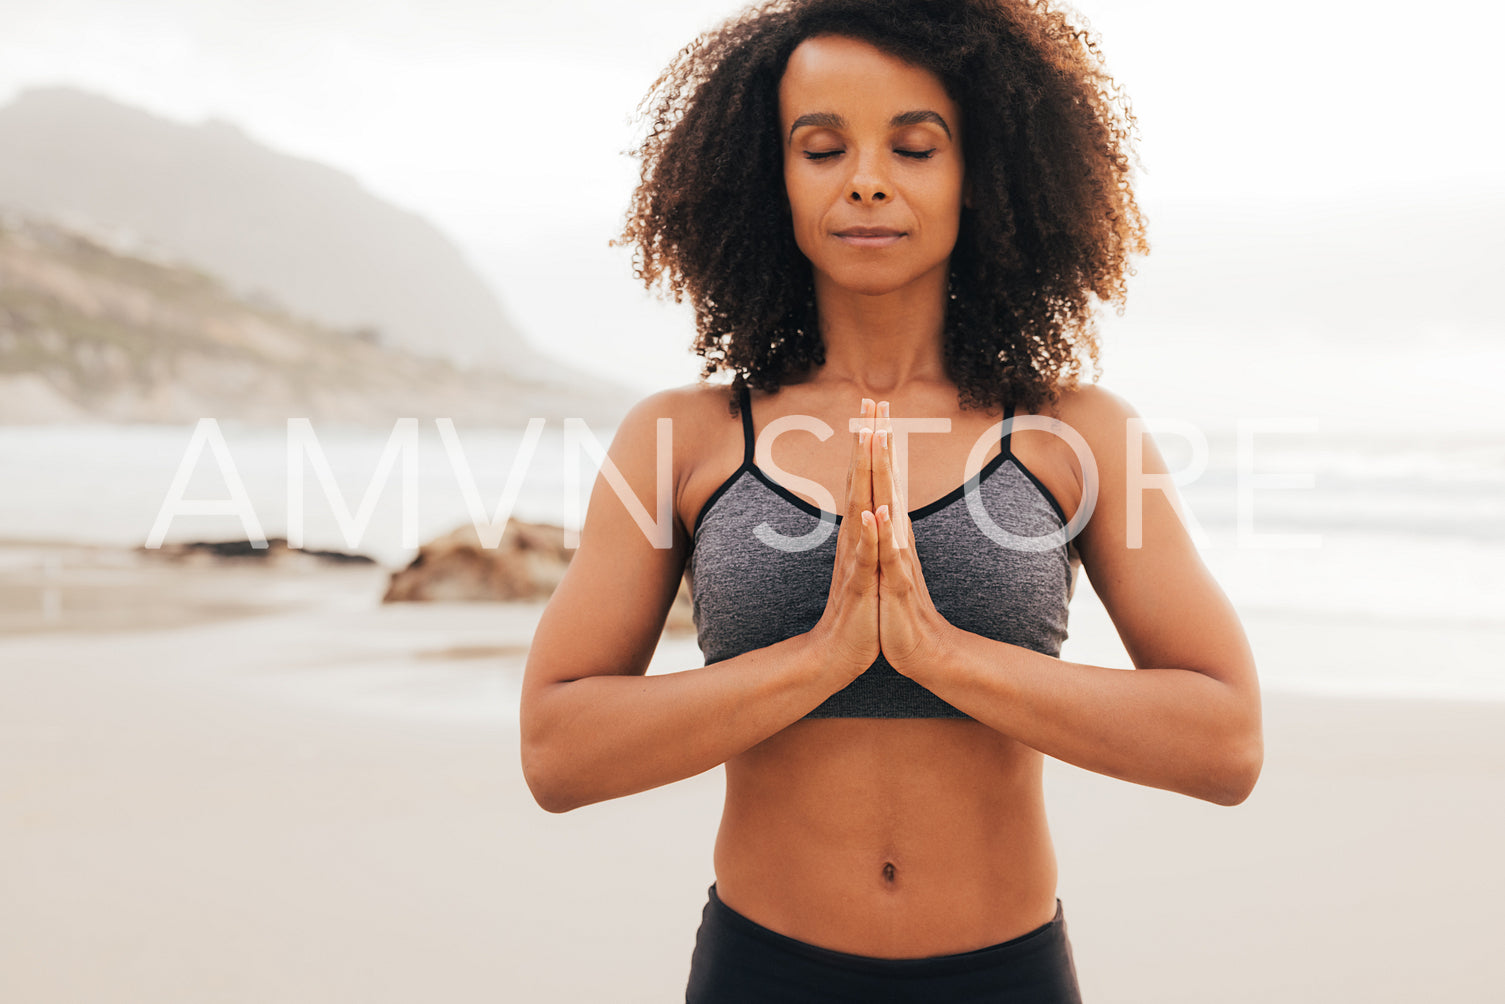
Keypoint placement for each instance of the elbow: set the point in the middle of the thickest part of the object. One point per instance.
(550, 802)
(1239, 742)
(545, 770)
(1235, 780)
(544, 784)
(544, 773)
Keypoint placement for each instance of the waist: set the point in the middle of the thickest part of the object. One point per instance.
(1047, 939)
(888, 838)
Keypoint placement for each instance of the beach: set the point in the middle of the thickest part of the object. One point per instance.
(258, 784)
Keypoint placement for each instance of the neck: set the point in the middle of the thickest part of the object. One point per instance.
(880, 342)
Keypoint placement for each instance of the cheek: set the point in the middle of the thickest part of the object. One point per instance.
(945, 202)
(806, 209)
(800, 200)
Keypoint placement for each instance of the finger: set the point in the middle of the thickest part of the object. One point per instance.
(868, 547)
(889, 561)
(897, 477)
(851, 527)
(884, 493)
(865, 420)
(860, 490)
(885, 479)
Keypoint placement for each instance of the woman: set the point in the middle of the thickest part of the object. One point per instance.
(891, 217)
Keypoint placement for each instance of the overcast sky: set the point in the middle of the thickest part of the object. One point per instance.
(503, 121)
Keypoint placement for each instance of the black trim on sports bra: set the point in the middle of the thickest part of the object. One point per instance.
(732, 478)
(749, 441)
(1060, 513)
(1049, 496)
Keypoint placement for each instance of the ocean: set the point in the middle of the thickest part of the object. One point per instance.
(1367, 509)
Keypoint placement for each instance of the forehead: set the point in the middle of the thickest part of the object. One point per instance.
(834, 73)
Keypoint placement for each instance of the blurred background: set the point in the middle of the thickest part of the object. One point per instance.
(231, 777)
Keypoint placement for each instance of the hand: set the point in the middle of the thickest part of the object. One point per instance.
(910, 629)
(848, 627)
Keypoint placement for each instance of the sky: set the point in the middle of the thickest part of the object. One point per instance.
(505, 122)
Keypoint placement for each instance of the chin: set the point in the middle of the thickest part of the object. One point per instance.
(870, 281)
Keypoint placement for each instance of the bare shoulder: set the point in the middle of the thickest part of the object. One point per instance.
(1103, 418)
(1089, 415)
(1078, 451)
(1094, 410)
(688, 403)
(705, 438)
(689, 397)
(694, 412)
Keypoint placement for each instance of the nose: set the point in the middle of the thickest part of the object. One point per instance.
(867, 183)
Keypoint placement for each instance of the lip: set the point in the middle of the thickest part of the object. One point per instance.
(869, 237)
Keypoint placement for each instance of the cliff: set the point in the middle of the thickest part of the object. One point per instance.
(88, 332)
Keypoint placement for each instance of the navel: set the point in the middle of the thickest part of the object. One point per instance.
(889, 872)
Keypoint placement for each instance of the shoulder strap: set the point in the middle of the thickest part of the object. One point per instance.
(744, 401)
(1003, 440)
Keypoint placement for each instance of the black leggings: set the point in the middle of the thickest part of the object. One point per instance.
(738, 961)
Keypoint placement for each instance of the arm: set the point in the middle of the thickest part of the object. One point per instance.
(594, 726)
(1186, 719)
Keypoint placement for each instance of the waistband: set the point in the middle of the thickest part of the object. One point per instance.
(1047, 938)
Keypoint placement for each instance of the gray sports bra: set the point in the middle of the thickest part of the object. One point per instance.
(761, 558)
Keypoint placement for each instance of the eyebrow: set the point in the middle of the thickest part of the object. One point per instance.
(830, 120)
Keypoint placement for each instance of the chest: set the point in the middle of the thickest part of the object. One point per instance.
(762, 559)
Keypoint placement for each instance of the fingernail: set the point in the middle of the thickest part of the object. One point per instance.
(867, 405)
(883, 514)
(883, 438)
(863, 435)
(883, 409)
(867, 518)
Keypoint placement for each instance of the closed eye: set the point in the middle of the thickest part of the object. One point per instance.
(915, 154)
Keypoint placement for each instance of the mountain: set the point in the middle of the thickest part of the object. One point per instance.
(88, 333)
(275, 228)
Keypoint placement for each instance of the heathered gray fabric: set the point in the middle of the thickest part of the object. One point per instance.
(749, 594)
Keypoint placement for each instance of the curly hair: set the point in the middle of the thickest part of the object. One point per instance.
(1048, 148)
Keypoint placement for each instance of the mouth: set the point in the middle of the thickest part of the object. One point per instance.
(869, 237)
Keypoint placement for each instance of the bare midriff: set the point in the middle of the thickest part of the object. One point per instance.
(891, 838)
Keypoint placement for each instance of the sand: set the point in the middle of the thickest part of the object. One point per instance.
(259, 785)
